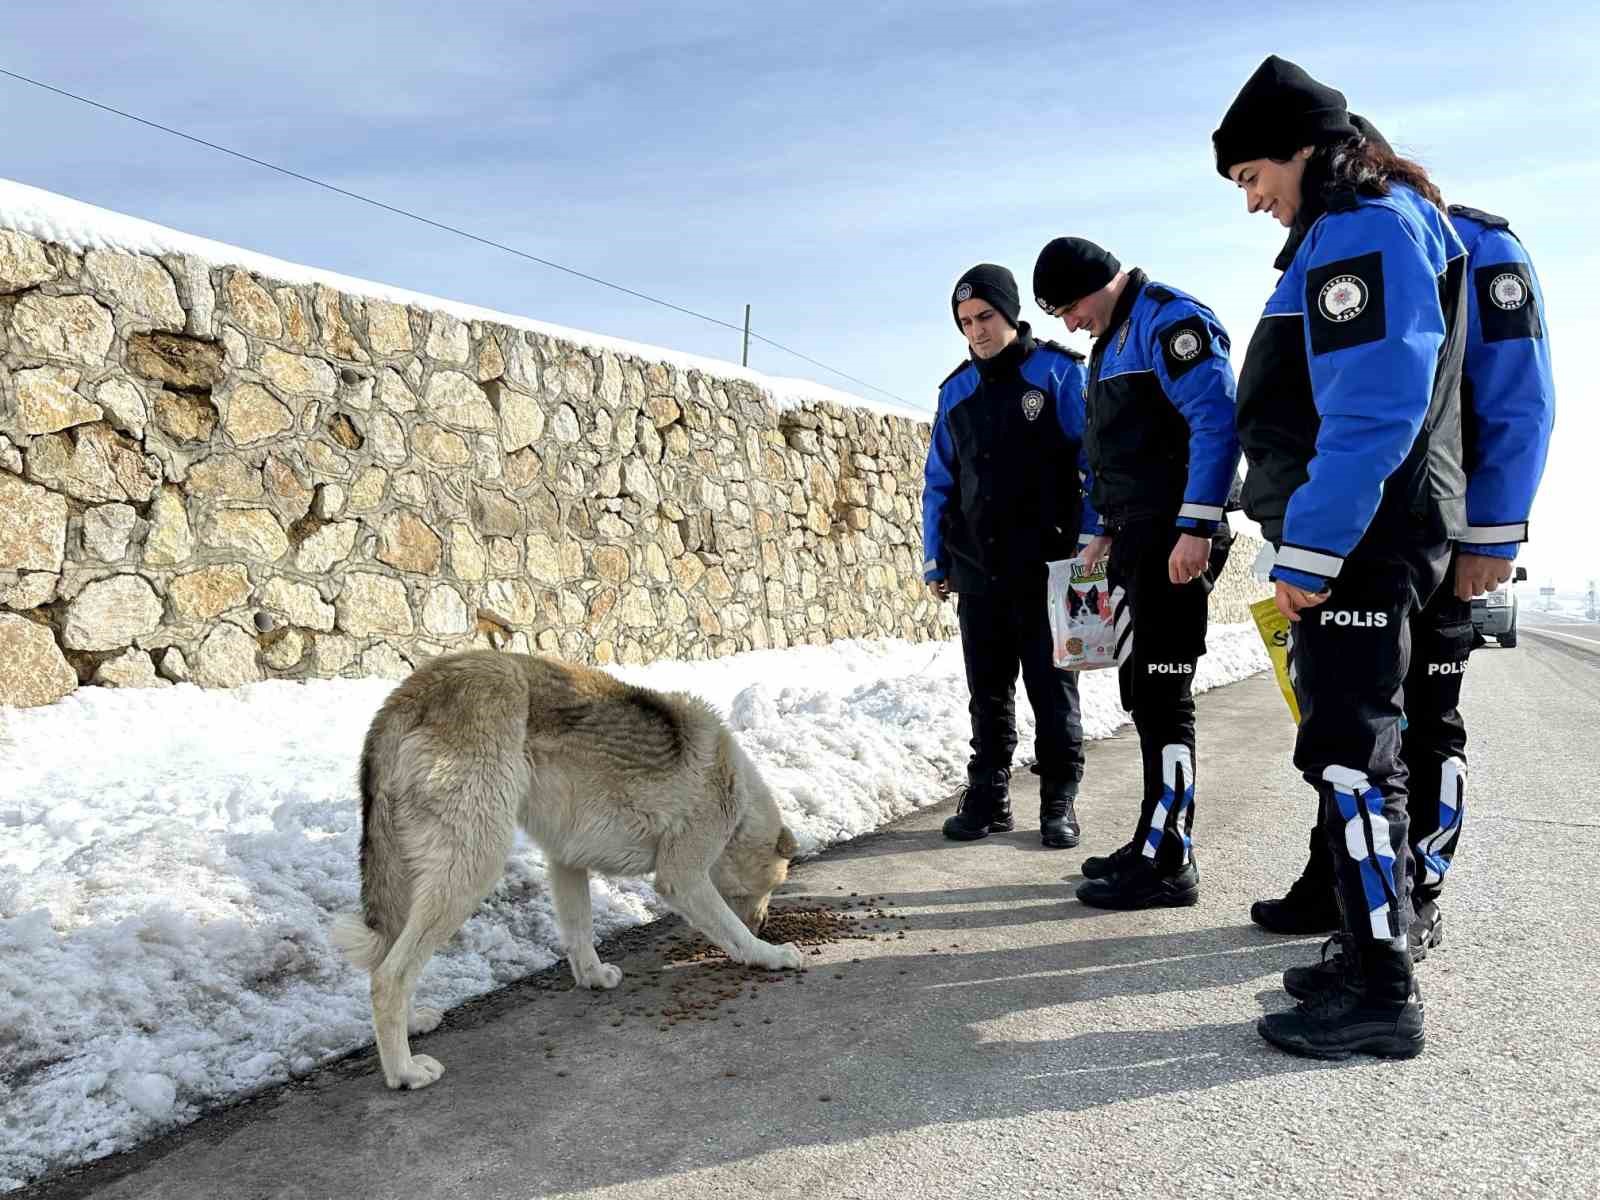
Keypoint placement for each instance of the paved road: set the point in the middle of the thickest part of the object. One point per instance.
(1572, 633)
(1013, 1043)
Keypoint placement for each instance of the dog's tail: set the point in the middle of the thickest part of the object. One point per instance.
(362, 946)
(365, 937)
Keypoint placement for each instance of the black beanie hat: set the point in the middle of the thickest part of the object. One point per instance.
(1069, 269)
(1370, 131)
(994, 284)
(1279, 110)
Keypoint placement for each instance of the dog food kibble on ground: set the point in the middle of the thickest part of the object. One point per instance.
(704, 983)
(811, 926)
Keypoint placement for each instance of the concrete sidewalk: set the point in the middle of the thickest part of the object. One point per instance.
(995, 1038)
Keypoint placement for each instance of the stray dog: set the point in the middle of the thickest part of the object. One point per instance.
(604, 776)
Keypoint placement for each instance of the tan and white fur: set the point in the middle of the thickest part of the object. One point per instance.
(603, 776)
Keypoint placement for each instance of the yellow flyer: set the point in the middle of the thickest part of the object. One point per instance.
(1274, 629)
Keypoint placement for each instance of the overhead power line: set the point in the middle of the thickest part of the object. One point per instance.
(543, 262)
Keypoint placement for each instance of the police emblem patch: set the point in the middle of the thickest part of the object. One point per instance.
(1508, 291)
(963, 293)
(1508, 307)
(1185, 345)
(1032, 404)
(1342, 298)
(1347, 297)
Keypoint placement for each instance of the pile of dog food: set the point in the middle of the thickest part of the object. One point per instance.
(807, 925)
(702, 984)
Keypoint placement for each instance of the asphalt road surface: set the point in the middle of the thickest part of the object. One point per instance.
(1573, 633)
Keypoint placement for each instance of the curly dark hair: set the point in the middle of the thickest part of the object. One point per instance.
(1365, 165)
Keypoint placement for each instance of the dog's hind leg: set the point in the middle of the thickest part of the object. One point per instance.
(444, 895)
(694, 895)
(570, 888)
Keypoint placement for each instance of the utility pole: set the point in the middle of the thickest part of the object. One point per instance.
(744, 356)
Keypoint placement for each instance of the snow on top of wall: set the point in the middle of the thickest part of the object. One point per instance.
(51, 217)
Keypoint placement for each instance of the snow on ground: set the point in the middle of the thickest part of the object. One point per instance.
(79, 226)
(170, 862)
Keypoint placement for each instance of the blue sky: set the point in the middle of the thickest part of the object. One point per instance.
(835, 166)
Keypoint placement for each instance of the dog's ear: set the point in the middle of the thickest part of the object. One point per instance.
(787, 846)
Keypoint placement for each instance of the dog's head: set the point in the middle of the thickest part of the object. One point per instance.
(756, 859)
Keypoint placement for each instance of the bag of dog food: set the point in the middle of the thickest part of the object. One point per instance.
(1085, 639)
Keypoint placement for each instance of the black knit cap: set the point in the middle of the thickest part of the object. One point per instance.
(1370, 131)
(1070, 268)
(994, 284)
(1279, 110)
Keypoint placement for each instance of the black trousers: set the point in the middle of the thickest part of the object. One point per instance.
(1003, 629)
(1161, 634)
(1433, 744)
(1350, 658)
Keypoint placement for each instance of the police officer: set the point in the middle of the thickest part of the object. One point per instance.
(1001, 499)
(1350, 420)
(1162, 455)
(1507, 412)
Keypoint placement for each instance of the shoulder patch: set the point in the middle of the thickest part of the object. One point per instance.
(1478, 215)
(1185, 345)
(1159, 294)
(1344, 303)
(1506, 305)
(960, 366)
(1047, 344)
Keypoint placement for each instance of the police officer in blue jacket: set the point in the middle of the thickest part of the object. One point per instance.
(1349, 414)
(1507, 412)
(1001, 499)
(1162, 456)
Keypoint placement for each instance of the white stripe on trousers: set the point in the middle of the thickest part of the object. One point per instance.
(1124, 624)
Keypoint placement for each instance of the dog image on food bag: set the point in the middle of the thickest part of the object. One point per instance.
(604, 776)
(1080, 616)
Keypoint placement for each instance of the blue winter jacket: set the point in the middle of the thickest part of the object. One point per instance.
(1003, 488)
(1508, 398)
(1160, 411)
(1349, 401)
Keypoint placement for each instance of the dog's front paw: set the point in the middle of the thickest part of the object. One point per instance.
(601, 977)
(780, 958)
(423, 1020)
(416, 1073)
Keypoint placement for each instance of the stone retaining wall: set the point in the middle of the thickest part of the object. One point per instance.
(212, 476)
(1238, 588)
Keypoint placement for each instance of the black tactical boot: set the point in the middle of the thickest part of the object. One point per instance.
(1426, 931)
(1375, 1009)
(984, 807)
(1305, 982)
(1098, 866)
(1058, 815)
(1138, 884)
(1311, 905)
